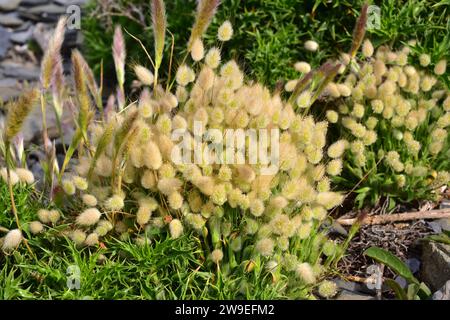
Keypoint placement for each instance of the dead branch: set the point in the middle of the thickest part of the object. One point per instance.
(398, 217)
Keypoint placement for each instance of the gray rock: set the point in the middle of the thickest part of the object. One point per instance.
(67, 3)
(8, 93)
(47, 9)
(8, 82)
(20, 72)
(444, 223)
(435, 264)
(22, 37)
(5, 42)
(9, 89)
(443, 293)
(413, 264)
(445, 204)
(10, 20)
(43, 13)
(350, 295)
(8, 5)
(33, 2)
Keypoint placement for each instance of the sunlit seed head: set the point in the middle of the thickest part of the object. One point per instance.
(304, 100)
(216, 256)
(144, 75)
(334, 167)
(43, 215)
(78, 236)
(344, 89)
(302, 67)
(225, 32)
(80, 183)
(175, 200)
(91, 240)
(305, 273)
(169, 185)
(88, 217)
(25, 175)
(327, 289)
(371, 123)
(114, 203)
(213, 58)
(337, 149)
(185, 75)
(311, 45)
(265, 247)
(176, 228)
(36, 227)
(69, 187)
(367, 48)
(54, 216)
(424, 60)
(440, 67)
(197, 50)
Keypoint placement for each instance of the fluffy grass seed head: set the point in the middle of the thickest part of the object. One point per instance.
(185, 75)
(89, 200)
(12, 240)
(78, 236)
(197, 50)
(332, 116)
(424, 59)
(43, 215)
(311, 45)
(303, 67)
(265, 247)
(69, 187)
(54, 216)
(327, 289)
(213, 58)
(305, 273)
(440, 67)
(367, 48)
(114, 203)
(176, 228)
(216, 256)
(144, 75)
(337, 149)
(36, 227)
(91, 240)
(225, 32)
(25, 175)
(88, 217)
(13, 177)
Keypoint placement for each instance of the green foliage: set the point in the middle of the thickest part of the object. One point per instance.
(395, 120)
(269, 35)
(415, 290)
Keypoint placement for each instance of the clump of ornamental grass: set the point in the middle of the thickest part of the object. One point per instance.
(394, 119)
(17, 113)
(138, 171)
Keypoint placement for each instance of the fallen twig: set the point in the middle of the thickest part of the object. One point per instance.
(397, 217)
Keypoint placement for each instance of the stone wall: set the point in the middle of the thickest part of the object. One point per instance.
(25, 27)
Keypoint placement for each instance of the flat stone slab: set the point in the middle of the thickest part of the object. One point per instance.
(349, 295)
(34, 2)
(22, 37)
(20, 72)
(5, 42)
(435, 269)
(10, 20)
(8, 5)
